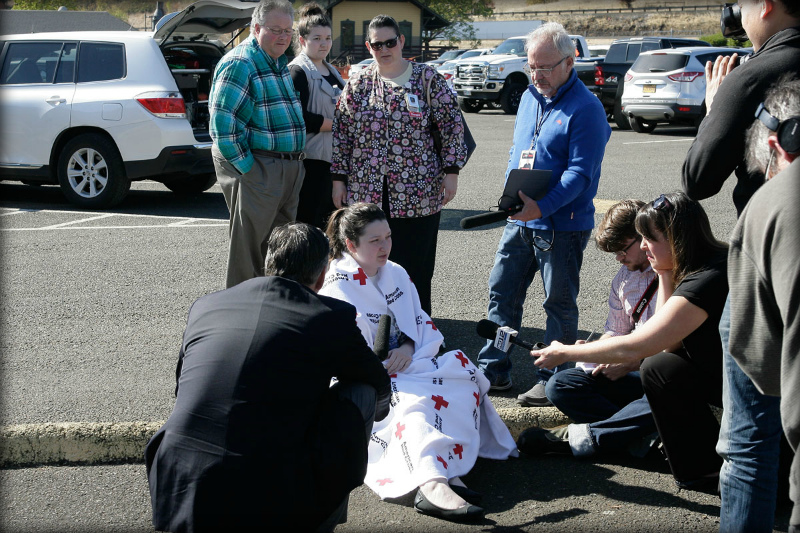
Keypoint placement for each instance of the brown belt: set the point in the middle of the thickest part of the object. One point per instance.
(291, 156)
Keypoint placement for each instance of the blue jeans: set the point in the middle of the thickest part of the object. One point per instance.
(749, 444)
(617, 412)
(516, 262)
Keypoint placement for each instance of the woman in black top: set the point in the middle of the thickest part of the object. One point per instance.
(682, 368)
(319, 85)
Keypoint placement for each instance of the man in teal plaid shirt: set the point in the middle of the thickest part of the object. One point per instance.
(259, 134)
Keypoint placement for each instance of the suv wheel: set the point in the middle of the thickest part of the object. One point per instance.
(468, 105)
(642, 126)
(510, 97)
(192, 184)
(619, 117)
(91, 173)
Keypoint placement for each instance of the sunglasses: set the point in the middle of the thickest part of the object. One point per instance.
(661, 203)
(378, 45)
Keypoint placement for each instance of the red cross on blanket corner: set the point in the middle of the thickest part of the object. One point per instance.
(463, 358)
(384, 481)
(432, 325)
(439, 458)
(399, 432)
(361, 277)
(458, 450)
(440, 402)
(477, 399)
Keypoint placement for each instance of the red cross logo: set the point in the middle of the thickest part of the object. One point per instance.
(361, 277)
(383, 482)
(463, 358)
(392, 375)
(458, 450)
(432, 325)
(439, 458)
(477, 398)
(399, 432)
(440, 402)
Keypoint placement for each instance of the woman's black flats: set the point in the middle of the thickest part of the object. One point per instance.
(472, 496)
(468, 513)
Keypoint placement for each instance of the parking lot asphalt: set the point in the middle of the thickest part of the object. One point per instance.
(93, 305)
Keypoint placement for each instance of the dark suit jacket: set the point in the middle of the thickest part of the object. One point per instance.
(242, 448)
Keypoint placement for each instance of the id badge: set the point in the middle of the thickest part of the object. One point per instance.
(412, 102)
(527, 159)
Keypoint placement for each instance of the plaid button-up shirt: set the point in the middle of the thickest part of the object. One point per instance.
(254, 105)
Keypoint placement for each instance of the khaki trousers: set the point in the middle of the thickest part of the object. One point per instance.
(263, 199)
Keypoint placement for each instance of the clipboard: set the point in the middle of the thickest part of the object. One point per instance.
(534, 183)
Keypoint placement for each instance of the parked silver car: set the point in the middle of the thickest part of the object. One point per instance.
(668, 87)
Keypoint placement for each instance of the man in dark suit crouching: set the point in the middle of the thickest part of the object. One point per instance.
(257, 438)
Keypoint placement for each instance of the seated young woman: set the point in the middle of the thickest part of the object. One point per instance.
(682, 368)
(441, 419)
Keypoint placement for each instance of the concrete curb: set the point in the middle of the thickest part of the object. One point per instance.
(124, 442)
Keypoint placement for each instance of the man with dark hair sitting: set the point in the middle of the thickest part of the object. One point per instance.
(258, 438)
(607, 400)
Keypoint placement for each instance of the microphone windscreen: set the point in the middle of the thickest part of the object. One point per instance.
(485, 218)
(487, 329)
(381, 344)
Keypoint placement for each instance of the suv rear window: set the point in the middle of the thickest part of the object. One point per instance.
(100, 62)
(660, 62)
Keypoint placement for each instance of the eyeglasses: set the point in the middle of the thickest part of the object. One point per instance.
(661, 203)
(529, 70)
(281, 31)
(624, 251)
(389, 43)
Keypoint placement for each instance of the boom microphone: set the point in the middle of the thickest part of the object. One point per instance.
(381, 344)
(487, 218)
(503, 336)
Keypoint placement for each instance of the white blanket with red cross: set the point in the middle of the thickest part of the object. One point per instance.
(441, 419)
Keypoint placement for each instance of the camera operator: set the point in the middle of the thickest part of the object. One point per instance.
(750, 434)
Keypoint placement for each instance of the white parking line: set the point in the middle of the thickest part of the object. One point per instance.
(175, 222)
(655, 142)
(80, 221)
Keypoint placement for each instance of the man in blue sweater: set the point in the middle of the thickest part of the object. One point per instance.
(561, 127)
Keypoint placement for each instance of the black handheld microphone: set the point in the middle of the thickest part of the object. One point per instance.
(488, 330)
(487, 218)
(381, 344)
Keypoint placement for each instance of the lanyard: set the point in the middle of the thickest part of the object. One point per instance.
(644, 300)
(539, 123)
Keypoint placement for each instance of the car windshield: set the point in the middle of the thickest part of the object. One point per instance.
(511, 46)
(660, 62)
(471, 53)
(450, 54)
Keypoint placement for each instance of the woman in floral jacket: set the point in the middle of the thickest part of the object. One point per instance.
(384, 153)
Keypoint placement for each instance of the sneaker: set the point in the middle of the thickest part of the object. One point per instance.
(538, 441)
(501, 384)
(535, 397)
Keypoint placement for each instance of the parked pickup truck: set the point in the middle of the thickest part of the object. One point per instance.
(499, 78)
(609, 74)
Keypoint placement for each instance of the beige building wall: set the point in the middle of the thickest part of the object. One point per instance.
(361, 11)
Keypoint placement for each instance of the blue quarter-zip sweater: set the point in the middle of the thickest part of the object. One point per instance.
(571, 143)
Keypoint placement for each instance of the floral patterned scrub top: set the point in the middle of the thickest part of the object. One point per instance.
(379, 138)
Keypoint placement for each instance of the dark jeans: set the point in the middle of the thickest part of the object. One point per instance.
(680, 389)
(414, 248)
(316, 203)
(617, 411)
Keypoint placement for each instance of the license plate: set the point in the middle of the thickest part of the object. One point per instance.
(466, 93)
(648, 88)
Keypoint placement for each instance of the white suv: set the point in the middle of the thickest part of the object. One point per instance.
(668, 86)
(93, 111)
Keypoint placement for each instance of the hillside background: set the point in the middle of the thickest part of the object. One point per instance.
(689, 23)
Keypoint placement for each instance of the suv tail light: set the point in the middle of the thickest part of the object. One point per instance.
(628, 76)
(163, 105)
(598, 75)
(685, 76)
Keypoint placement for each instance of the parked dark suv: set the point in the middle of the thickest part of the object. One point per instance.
(610, 74)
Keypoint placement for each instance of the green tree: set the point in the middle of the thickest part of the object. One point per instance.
(460, 14)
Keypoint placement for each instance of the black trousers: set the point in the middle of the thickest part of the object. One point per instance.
(679, 389)
(414, 248)
(316, 204)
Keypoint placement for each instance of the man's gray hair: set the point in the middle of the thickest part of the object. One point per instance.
(554, 33)
(265, 7)
(782, 101)
(297, 251)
